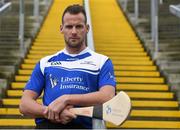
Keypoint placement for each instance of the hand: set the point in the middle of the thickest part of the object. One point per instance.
(66, 116)
(45, 112)
(56, 107)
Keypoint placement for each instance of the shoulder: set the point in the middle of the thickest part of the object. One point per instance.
(99, 58)
(44, 62)
(49, 57)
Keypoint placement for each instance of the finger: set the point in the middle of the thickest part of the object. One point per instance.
(65, 122)
(69, 106)
(51, 115)
(71, 114)
(57, 116)
(45, 113)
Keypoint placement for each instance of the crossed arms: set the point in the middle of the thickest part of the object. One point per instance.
(58, 110)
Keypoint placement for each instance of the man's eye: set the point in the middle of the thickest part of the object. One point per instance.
(79, 26)
(69, 27)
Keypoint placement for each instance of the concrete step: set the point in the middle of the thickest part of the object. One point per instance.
(6, 75)
(142, 87)
(9, 40)
(116, 62)
(10, 62)
(26, 123)
(139, 58)
(170, 56)
(117, 73)
(133, 95)
(118, 79)
(135, 103)
(121, 86)
(134, 113)
(165, 63)
(14, 52)
(169, 40)
(169, 67)
(175, 87)
(139, 80)
(18, 85)
(8, 72)
(116, 67)
(174, 78)
(137, 73)
(24, 72)
(142, 124)
(29, 123)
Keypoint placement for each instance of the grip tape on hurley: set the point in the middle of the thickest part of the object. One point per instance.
(98, 112)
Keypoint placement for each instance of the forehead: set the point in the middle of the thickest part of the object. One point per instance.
(73, 18)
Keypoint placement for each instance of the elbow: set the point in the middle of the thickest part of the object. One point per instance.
(22, 107)
(109, 97)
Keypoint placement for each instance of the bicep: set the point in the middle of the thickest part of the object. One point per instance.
(29, 94)
(36, 81)
(106, 76)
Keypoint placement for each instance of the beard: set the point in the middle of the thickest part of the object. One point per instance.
(74, 44)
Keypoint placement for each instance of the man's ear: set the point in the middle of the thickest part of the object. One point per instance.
(61, 28)
(87, 27)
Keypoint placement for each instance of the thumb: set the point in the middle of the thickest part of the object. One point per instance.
(45, 112)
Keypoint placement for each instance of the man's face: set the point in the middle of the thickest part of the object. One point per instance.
(74, 30)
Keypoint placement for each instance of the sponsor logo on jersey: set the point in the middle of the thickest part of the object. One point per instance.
(56, 63)
(111, 76)
(88, 62)
(53, 81)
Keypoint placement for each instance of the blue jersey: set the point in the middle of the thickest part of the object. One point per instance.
(64, 73)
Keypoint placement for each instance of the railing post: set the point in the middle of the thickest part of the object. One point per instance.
(124, 4)
(90, 40)
(2, 2)
(21, 26)
(36, 11)
(136, 10)
(46, 2)
(154, 27)
(97, 124)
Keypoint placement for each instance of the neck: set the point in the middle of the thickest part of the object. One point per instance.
(75, 50)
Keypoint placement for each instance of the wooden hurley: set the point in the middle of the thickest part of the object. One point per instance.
(115, 110)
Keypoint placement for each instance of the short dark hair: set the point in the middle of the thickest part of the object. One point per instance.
(75, 9)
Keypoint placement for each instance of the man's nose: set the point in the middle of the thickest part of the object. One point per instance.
(74, 30)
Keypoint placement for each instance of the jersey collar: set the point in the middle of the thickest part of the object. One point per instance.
(73, 55)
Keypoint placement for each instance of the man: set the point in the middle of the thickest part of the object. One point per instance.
(73, 77)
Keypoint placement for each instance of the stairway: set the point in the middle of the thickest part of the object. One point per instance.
(48, 41)
(10, 54)
(154, 105)
(168, 58)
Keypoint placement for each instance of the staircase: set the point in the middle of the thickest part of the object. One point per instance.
(48, 41)
(169, 37)
(154, 105)
(10, 54)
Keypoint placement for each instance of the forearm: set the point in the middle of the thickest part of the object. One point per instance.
(30, 107)
(91, 99)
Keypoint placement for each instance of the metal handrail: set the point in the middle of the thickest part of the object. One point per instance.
(90, 39)
(21, 26)
(97, 124)
(175, 10)
(5, 6)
